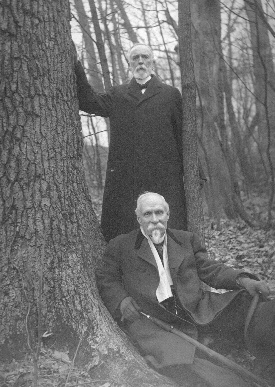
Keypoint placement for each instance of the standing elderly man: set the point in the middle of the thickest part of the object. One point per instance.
(159, 271)
(145, 152)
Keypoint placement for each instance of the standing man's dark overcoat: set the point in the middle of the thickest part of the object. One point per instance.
(145, 151)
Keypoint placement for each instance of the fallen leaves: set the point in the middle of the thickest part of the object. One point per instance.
(55, 370)
(242, 247)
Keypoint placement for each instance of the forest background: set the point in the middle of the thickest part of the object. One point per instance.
(50, 239)
(233, 60)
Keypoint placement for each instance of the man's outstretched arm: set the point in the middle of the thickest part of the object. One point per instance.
(90, 101)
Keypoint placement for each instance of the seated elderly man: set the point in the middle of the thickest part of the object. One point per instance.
(160, 271)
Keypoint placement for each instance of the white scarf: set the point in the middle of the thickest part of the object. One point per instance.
(164, 289)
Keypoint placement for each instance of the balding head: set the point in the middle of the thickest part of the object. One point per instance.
(140, 46)
(150, 197)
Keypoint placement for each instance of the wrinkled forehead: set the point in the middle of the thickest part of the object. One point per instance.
(139, 50)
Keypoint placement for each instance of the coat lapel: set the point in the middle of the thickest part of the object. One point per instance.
(143, 249)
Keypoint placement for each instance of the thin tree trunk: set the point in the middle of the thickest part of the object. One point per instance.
(165, 46)
(92, 162)
(101, 53)
(94, 73)
(93, 70)
(238, 141)
(190, 145)
(126, 22)
(236, 197)
(147, 27)
(119, 49)
(245, 166)
(88, 163)
(100, 47)
(103, 15)
(97, 161)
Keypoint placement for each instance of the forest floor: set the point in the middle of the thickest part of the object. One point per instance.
(233, 243)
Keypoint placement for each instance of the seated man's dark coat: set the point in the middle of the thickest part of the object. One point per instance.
(129, 269)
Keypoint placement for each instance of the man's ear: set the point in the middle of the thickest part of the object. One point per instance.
(138, 219)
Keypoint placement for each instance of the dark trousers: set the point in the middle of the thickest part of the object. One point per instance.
(229, 325)
(260, 335)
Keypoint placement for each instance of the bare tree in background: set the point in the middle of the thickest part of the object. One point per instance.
(264, 84)
(94, 70)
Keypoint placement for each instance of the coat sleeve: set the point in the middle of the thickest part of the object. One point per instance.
(90, 101)
(109, 279)
(214, 273)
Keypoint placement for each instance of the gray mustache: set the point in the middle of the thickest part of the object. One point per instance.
(156, 227)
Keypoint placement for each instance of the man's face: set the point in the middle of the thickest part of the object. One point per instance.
(141, 62)
(153, 217)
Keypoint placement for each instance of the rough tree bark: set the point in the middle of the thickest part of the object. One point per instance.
(49, 238)
(205, 16)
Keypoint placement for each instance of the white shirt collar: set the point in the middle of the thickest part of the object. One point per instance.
(142, 81)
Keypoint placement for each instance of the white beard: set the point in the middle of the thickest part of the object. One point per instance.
(157, 236)
(141, 74)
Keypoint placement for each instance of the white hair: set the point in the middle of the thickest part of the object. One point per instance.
(143, 196)
(135, 45)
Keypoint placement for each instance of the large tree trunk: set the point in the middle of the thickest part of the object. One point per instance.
(50, 240)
